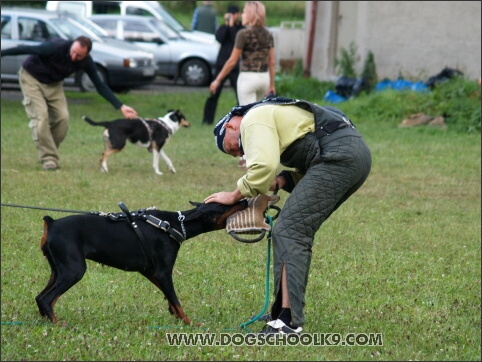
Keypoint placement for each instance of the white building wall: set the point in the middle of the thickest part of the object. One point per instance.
(415, 39)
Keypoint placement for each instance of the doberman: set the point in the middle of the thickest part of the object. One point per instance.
(146, 241)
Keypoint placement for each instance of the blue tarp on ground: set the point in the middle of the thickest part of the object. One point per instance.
(348, 86)
(332, 97)
(400, 84)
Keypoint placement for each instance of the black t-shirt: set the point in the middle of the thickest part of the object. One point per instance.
(50, 62)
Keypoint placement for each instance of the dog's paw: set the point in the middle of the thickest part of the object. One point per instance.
(173, 170)
(158, 172)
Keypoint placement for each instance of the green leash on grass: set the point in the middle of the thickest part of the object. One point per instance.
(266, 299)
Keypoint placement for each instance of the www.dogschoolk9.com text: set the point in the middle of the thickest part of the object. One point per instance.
(252, 339)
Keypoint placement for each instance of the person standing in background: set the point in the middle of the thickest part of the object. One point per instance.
(225, 35)
(41, 78)
(204, 18)
(255, 46)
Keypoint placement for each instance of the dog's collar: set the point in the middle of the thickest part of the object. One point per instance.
(161, 122)
(181, 220)
(149, 129)
(176, 235)
(166, 122)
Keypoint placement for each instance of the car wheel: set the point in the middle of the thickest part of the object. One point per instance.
(195, 72)
(84, 82)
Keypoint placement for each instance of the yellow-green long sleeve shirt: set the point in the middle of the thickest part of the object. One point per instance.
(266, 131)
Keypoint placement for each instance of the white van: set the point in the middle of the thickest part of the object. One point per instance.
(146, 8)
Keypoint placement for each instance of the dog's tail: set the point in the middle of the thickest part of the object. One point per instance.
(93, 123)
(47, 222)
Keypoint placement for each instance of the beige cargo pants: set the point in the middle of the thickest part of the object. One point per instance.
(46, 107)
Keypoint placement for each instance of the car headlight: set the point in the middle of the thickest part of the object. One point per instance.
(130, 63)
(146, 61)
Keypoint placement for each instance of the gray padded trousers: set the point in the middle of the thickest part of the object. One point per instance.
(331, 178)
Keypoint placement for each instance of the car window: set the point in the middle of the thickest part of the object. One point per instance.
(132, 10)
(6, 27)
(71, 29)
(165, 30)
(169, 19)
(137, 31)
(73, 7)
(90, 25)
(35, 29)
(106, 7)
(108, 25)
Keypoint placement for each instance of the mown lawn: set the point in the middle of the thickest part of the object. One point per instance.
(400, 258)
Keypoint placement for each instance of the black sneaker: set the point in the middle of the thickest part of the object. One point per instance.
(279, 327)
(264, 318)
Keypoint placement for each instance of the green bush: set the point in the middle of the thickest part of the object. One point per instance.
(303, 88)
(457, 100)
(345, 65)
(369, 72)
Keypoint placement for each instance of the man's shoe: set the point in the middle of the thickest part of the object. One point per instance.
(279, 327)
(49, 166)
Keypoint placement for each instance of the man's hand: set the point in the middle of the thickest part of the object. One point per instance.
(224, 197)
(128, 112)
(229, 19)
(278, 183)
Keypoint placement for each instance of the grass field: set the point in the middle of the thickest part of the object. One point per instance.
(400, 258)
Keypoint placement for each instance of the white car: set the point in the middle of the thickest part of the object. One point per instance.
(144, 8)
(120, 65)
(176, 57)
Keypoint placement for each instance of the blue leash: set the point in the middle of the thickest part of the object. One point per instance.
(266, 299)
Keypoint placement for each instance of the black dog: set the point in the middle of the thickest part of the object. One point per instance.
(149, 133)
(146, 241)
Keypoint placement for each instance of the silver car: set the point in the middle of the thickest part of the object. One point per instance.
(120, 64)
(176, 57)
(144, 8)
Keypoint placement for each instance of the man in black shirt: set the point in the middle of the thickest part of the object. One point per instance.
(225, 35)
(41, 80)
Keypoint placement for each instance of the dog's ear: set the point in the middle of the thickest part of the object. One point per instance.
(193, 203)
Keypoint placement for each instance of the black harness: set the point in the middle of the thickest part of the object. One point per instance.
(154, 221)
(131, 217)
